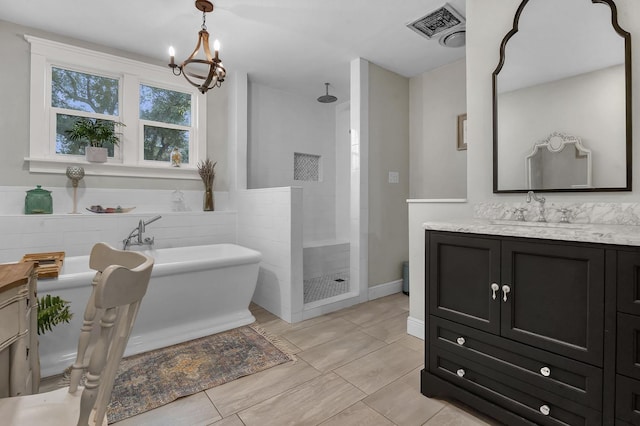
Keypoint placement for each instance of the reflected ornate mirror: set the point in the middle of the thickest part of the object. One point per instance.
(559, 161)
(564, 69)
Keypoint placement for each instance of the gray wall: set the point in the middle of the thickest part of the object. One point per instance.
(388, 151)
(438, 169)
(14, 120)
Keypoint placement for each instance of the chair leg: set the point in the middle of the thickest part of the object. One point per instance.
(85, 336)
(96, 365)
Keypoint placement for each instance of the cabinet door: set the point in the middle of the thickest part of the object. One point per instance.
(629, 282)
(556, 298)
(461, 272)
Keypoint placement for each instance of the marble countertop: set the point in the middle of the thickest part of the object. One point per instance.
(628, 235)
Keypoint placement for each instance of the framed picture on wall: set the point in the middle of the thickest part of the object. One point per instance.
(462, 132)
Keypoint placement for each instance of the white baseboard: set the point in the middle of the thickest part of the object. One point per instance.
(387, 289)
(415, 327)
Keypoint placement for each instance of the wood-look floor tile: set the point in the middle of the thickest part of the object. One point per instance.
(390, 330)
(335, 353)
(261, 314)
(276, 326)
(319, 333)
(402, 402)
(229, 421)
(239, 394)
(357, 415)
(367, 314)
(454, 416)
(194, 410)
(307, 405)
(412, 342)
(376, 370)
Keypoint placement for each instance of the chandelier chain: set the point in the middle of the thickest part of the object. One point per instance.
(204, 21)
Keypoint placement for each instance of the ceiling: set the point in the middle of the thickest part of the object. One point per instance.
(292, 45)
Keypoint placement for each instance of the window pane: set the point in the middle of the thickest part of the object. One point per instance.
(64, 145)
(165, 106)
(84, 92)
(160, 141)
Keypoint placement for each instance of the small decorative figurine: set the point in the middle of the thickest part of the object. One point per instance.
(176, 157)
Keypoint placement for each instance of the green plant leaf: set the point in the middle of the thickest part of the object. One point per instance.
(52, 310)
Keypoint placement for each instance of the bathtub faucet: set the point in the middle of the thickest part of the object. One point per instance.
(135, 236)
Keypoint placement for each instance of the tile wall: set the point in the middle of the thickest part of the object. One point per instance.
(76, 234)
(270, 221)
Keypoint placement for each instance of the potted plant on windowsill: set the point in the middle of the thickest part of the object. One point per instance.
(96, 134)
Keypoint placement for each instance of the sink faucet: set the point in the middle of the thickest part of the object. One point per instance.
(540, 200)
(135, 236)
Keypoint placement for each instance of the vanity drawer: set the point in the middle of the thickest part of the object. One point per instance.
(628, 345)
(627, 400)
(9, 324)
(567, 378)
(533, 403)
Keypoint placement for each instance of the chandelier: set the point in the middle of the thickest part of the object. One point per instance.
(205, 73)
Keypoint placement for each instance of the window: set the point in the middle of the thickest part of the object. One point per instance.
(77, 95)
(159, 111)
(166, 117)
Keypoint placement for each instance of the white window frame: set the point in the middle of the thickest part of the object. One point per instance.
(129, 156)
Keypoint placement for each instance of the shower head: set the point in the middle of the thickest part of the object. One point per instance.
(327, 99)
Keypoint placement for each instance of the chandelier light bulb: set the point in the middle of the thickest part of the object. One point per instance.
(172, 55)
(216, 45)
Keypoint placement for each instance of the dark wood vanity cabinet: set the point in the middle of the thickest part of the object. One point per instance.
(533, 331)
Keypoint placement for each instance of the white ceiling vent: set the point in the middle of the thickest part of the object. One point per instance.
(440, 22)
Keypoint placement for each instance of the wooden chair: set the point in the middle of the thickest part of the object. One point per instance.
(120, 283)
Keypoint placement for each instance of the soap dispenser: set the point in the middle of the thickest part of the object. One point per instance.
(38, 201)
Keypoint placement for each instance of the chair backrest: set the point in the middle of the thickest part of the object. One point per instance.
(112, 307)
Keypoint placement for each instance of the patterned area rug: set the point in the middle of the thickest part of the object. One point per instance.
(152, 379)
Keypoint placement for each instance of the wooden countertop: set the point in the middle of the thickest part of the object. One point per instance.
(15, 274)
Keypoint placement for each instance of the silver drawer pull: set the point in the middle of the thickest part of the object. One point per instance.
(460, 372)
(545, 410)
(494, 288)
(505, 290)
(545, 371)
(460, 341)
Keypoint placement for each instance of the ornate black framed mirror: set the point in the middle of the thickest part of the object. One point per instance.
(564, 68)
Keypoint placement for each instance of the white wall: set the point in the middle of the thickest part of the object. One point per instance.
(76, 234)
(487, 23)
(438, 169)
(343, 166)
(281, 124)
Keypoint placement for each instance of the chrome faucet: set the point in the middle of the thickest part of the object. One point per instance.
(540, 200)
(135, 236)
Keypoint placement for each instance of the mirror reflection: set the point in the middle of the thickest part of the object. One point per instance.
(563, 72)
(559, 161)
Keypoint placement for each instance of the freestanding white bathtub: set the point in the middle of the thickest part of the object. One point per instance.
(194, 292)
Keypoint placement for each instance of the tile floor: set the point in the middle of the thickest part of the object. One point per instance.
(356, 366)
(325, 286)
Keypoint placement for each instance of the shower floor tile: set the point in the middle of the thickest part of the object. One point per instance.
(326, 286)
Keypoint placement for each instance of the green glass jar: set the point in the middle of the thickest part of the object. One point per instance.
(38, 201)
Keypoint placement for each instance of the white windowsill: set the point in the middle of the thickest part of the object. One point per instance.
(59, 166)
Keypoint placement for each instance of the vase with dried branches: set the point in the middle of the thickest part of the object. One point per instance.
(207, 174)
